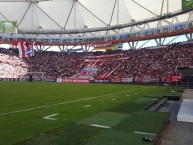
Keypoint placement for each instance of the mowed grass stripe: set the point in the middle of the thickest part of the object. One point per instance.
(104, 118)
(25, 125)
(68, 102)
(19, 96)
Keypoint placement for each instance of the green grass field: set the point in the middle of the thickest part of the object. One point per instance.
(75, 110)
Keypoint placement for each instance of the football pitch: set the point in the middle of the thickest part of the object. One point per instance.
(79, 114)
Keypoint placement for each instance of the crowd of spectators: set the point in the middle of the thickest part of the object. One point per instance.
(56, 64)
(11, 66)
(116, 64)
(52, 64)
(157, 63)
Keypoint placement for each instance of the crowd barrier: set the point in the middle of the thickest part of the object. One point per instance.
(188, 85)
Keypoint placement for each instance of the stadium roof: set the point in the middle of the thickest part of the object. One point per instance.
(83, 14)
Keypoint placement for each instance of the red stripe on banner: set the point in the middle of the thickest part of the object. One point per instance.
(32, 48)
(28, 47)
(22, 49)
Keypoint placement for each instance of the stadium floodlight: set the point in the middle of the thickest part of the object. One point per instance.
(33, 1)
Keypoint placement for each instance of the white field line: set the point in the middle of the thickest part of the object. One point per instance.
(50, 117)
(113, 99)
(68, 102)
(145, 133)
(87, 106)
(99, 126)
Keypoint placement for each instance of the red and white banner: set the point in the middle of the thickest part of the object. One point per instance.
(26, 49)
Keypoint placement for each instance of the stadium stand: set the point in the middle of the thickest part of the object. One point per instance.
(142, 64)
(148, 63)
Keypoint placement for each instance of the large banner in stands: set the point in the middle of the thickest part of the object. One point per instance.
(26, 49)
(187, 4)
(8, 26)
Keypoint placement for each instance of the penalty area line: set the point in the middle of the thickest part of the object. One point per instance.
(68, 102)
